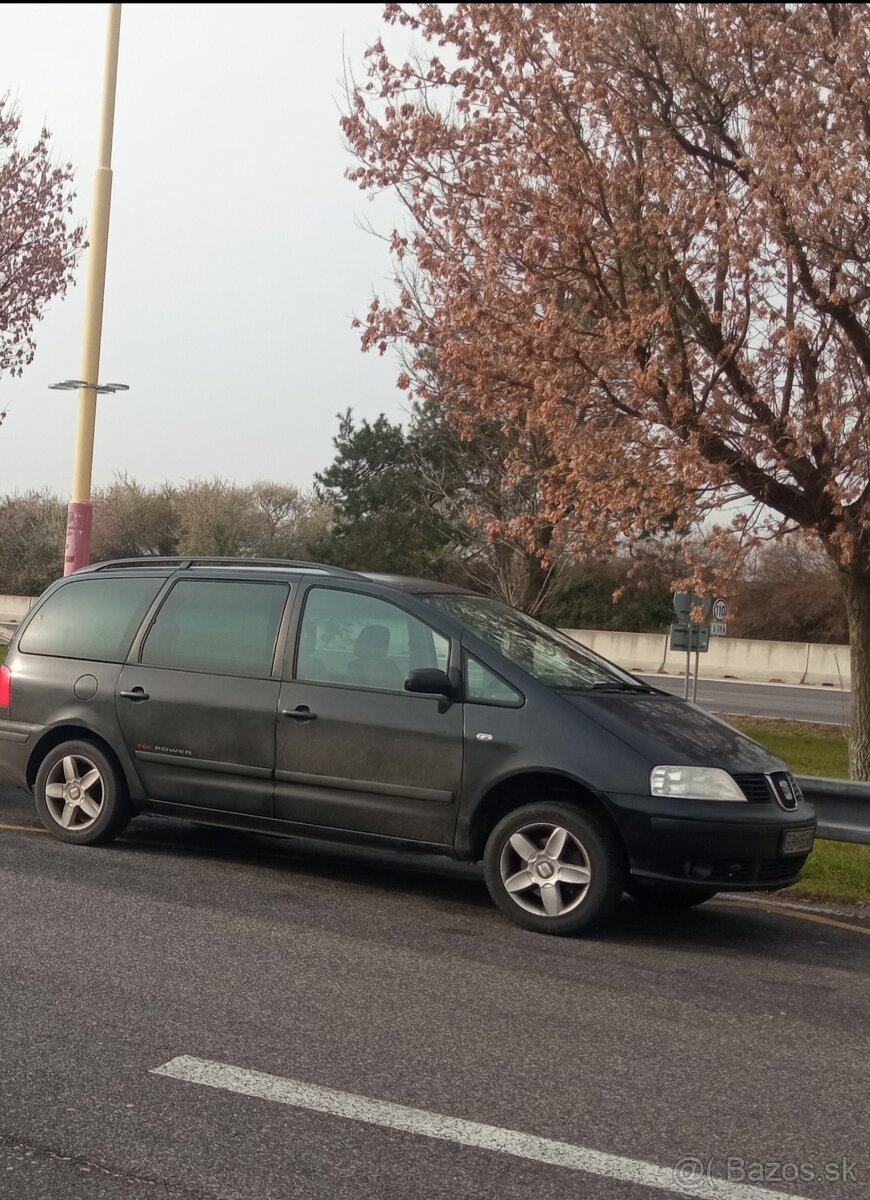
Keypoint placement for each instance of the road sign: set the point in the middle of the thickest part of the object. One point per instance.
(720, 610)
(684, 602)
(690, 637)
(718, 629)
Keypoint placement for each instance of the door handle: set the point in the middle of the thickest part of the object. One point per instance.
(301, 713)
(136, 694)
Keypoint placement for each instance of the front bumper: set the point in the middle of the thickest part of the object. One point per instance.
(711, 843)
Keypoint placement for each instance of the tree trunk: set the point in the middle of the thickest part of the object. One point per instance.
(856, 592)
(539, 577)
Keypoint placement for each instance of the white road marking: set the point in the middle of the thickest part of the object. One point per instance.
(453, 1129)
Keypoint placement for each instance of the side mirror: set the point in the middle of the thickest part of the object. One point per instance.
(430, 682)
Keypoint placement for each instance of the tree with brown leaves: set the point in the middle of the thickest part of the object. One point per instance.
(643, 232)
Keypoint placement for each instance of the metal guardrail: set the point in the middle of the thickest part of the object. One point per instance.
(842, 807)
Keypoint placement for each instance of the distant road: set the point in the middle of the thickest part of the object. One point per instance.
(764, 700)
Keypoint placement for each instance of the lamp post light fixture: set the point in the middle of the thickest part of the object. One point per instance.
(74, 385)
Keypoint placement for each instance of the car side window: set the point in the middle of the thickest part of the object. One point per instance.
(90, 618)
(359, 640)
(485, 687)
(217, 627)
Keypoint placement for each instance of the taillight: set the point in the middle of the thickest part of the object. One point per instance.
(5, 686)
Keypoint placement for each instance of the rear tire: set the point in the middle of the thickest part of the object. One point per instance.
(554, 869)
(81, 795)
(667, 897)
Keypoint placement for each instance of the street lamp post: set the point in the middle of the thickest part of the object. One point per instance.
(80, 512)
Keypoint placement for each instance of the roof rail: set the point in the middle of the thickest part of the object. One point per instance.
(184, 561)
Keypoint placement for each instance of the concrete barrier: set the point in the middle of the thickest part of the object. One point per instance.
(828, 664)
(748, 658)
(635, 651)
(13, 608)
(728, 658)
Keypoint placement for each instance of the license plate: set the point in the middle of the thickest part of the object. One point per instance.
(798, 841)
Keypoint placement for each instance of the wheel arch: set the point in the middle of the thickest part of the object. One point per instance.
(532, 786)
(67, 733)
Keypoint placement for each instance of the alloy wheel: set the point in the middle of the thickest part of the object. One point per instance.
(545, 869)
(74, 792)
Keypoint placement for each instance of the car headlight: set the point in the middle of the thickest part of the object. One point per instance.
(698, 783)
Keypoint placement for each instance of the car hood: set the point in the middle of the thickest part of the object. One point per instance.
(667, 730)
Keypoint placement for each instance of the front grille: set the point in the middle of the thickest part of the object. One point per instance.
(731, 872)
(754, 787)
(719, 870)
(771, 870)
(763, 872)
(778, 786)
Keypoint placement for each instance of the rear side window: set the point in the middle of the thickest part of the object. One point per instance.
(90, 618)
(218, 627)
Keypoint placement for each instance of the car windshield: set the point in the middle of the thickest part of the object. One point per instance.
(548, 655)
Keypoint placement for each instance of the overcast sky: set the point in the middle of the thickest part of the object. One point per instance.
(236, 261)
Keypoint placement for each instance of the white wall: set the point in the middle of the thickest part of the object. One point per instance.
(13, 608)
(727, 658)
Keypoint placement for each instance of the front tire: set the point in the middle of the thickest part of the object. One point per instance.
(81, 795)
(554, 869)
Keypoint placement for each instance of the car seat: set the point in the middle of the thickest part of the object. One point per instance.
(370, 665)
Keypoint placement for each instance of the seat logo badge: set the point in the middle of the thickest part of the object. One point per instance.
(784, 790)
(484, 737)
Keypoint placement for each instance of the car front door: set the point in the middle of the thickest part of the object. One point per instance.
(354, 750)
(197, 708)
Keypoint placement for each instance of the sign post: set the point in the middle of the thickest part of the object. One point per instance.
(689, 635)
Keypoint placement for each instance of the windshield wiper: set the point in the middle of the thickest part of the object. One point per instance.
(617, 685)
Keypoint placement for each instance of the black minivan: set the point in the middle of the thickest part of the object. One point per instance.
(301, 699)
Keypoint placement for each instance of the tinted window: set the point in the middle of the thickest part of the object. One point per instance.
(94, 618)
(223, 628)
(550, 656)
(484, 685)
(348, 637)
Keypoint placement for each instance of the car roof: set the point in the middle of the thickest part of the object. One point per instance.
(180, 562)
(171, 563)
(420, 587)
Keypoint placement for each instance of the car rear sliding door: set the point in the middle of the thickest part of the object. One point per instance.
(198, 708)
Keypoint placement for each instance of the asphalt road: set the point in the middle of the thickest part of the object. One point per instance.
(828, 705)
(731, 1032)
